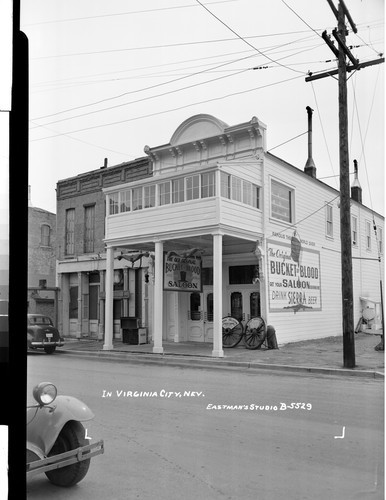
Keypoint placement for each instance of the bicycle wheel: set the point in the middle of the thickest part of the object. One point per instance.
(255, 333)
(232, 331)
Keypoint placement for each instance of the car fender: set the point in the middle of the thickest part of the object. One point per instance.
(44, 424)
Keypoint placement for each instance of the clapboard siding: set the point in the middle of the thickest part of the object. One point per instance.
(176, 217)
(250, 171)
(240, 216)
(309, 218)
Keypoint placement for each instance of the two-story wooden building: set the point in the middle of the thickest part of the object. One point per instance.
(224, 228)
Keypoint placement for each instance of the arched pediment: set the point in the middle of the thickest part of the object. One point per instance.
(197, 127)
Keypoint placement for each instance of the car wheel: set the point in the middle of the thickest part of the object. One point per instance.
(50, 349)
(71, 437)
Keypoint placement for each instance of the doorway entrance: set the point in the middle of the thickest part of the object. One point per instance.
(200, 316)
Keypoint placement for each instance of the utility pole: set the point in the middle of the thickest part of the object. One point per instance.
(345, 215)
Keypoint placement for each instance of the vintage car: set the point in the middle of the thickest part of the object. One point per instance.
(57, 442)
(41, 333)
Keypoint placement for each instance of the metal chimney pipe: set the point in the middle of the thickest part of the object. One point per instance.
(356, 189)
(310, 168)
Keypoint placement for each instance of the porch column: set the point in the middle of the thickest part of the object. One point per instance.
(217, 297)
(158, 298)
(108, 345)
(80, 306)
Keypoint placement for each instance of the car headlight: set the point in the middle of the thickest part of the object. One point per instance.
(44, 393)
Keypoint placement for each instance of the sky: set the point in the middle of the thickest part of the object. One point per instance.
(108, 78)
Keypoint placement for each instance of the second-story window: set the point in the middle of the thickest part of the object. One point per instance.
(368, 235)
(45, 231)
(329, 221)
(113, 204)
(380, 239)
(354, 230)
(164, 193)
(125, 201)
(236, 189)
(207, 185)
(178, 190)
(70, 232)
(281, 202)
(149, 196)
(193, 187)
(137, 198)
(89, 228)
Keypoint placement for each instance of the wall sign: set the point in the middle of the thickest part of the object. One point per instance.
(182, 274)
(293, 278)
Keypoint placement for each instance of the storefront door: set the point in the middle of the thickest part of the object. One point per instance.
(200, 316)
(244, 302)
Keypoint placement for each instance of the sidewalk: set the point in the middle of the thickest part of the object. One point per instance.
(315, 356)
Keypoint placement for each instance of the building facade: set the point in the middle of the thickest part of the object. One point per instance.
(81, 254)
(42, 290)
(223, 228)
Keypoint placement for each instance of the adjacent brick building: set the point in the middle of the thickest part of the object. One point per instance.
(81, 255)
(42, 291)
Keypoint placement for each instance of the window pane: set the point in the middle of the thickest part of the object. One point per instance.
(225, 185)
(89, 224)
(149, 196)
(195, 306)
(281, 202)
(113, 204)
(247, 193)
(45, 235)
(193, 187)
(70, 227)
(256, 197)
(164, 193)
(329, 222)
(207, 185)
(178, 190)
(137, 198)
(237, 305)
(236, 189)
(125, 201)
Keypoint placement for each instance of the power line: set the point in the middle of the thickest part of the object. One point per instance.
(147, 88)
(120, 14)
(173, 109)
(289, 140)
(147, 98)
(296, 14)
(244, 39)
(180, 44)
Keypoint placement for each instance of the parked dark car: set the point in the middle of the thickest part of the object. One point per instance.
(41, 333)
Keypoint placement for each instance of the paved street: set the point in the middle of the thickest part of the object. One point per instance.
(183, 439)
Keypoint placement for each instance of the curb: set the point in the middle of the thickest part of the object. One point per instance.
(217, 363)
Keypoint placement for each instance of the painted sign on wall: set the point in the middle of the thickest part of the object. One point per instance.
(182, 274)
(293, 278)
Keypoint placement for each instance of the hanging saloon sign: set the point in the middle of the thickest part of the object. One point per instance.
(181, 273)
(293, 277)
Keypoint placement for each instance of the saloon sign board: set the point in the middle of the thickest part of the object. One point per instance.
(293, 279)
(182, 274)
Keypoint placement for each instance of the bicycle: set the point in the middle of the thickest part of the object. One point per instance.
(254, 332)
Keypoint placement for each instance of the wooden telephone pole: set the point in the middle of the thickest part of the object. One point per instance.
(342, 53)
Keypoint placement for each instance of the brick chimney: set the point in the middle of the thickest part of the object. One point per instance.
(356, 190)
(310, 168)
